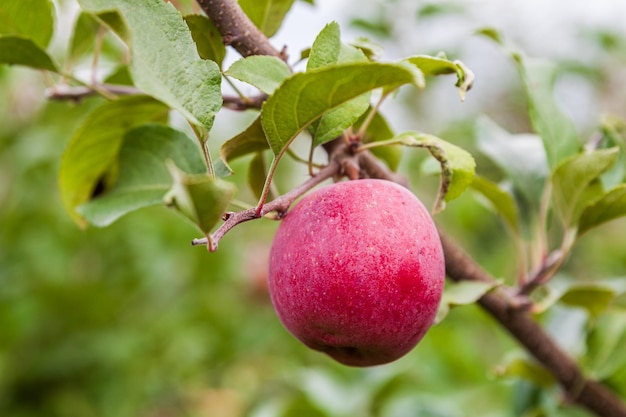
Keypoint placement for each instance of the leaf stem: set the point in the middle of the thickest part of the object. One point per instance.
(202, 136)
(370, 116)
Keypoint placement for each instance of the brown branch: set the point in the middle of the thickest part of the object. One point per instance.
(244, 103)
(504, 307)
(586, 392)
(65, 92)
(237, 29)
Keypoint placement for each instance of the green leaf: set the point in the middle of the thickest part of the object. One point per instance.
(558, 132)
(267, 15)
(614, 134)
(200, 198)
(92, 151)
(207, 38)
(249, 141)
(15, 50)
(525, 369)
(370, 49)
(430, 66)
(610, 206)
(595, 298)
(379, 130)
(521, 157)
(264, 72)
(328, 50)
(332, 124)
(257, 172)
(462, 293)
(83, 36)
(116, 23)
(573, 182)
(164, 59)
(502, 201)
(457, 165)
(305, 97)
(605, 345)
(143, 178)
(326, 47)
(29, 19)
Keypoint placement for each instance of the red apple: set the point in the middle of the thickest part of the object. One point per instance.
(357, 271)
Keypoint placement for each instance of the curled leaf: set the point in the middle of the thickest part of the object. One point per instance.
(457, 165)
(430, 66)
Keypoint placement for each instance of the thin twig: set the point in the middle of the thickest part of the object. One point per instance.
(279, 205)
(243, 103)
(66, 92)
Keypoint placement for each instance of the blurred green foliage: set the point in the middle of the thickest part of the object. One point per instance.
(130, 320)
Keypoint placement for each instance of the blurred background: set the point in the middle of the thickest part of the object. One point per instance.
(130, 320)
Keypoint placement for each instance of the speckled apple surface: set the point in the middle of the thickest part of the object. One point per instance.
(357, 271)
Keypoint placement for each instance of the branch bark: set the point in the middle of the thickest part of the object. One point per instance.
(579, 389)
(500, 304)
(237, 29)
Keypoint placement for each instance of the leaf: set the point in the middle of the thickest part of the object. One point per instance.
(462, 293)
(574, 177)
(594, 298)
(379, 130)
(28, 19)
(164, 58)
(525, 369)
(304, 97)
(558, 132)
(605, 345)
(143, 178)
(610, 206)
(207, 38)
(502, 201)
(257, 172)
(116, 23)
(92, 151)
(370, 49)
(264, 72)
(430, 66)
(250, 140)
(267, 15)
(84, 35)
(328, 50)
(326, 47)
(457, 165)
(614, 133)
(21, 51)
(200, 198)
(332, 124)
(521, 157)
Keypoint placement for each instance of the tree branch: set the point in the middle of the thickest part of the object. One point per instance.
(237, 29)
(586, 392)
(504, 307)
(65, 92)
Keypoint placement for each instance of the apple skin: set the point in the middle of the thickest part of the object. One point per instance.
(357, 271)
